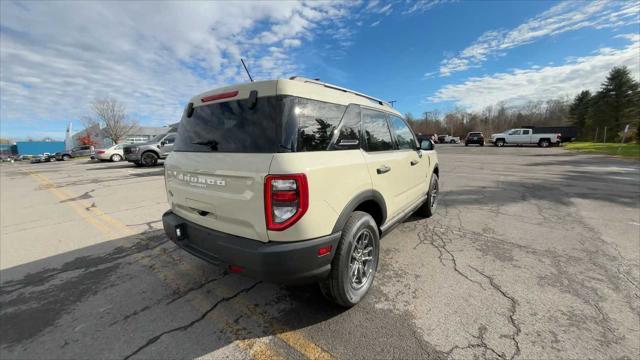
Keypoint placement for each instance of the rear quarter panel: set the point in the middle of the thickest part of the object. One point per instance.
(334, 178)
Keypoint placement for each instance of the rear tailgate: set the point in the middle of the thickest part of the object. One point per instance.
(221, 191)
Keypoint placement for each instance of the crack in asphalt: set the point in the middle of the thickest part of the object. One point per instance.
(513, 308)
(154, 339)
(196, 288)
(438, 242)
(482, 331)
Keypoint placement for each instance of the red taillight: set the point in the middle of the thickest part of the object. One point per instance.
(235, 269)
(220, 96)
(286, 199)
(100, 151)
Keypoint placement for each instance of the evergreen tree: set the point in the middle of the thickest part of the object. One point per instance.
(617, 97)
(579, 110)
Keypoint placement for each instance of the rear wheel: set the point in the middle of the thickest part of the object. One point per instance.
(66, 157)
(544, 143)
(429, 207)
(116, 157)
(355, 262)
(481, 144)
(149, 159)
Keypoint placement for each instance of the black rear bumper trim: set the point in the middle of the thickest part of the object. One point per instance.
(281, 262)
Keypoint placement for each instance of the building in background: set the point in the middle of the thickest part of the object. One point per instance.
(139, 135)
(38, 147)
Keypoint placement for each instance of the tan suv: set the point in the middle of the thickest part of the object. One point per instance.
(295, 181)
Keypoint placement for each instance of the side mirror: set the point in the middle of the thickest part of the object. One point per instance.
(426, 145)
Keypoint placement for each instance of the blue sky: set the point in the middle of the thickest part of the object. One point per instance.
(55, 58)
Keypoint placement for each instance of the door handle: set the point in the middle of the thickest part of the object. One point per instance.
(414, 162)
(383, 169)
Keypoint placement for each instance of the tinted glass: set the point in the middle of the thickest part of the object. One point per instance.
(315, 122)
(376, 131)
(349, 136)
(515, 132)
(404, 136)
(525, 132)
(170, 139)
(232, 127)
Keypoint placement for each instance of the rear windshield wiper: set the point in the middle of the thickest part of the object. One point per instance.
(212, 144)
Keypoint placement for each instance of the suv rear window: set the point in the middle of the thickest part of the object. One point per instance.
(231, 127)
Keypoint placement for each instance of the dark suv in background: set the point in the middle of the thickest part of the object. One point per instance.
(474, 138)
(78, 151)
(148, 154)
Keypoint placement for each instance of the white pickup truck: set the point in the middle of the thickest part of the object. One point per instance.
(447, 139)
(525, 137)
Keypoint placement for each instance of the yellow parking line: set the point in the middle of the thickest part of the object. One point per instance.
(294, 339)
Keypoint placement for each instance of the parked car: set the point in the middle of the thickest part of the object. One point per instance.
(431, 137)
(525, 136)
(37, 159)
(447, 139)
(78, 151)
(295, 181)
(113, 153)
(148, 154)
(474, 138)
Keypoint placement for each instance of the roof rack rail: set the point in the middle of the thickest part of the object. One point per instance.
(336, 87)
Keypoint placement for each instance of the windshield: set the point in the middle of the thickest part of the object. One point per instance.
(157, 138)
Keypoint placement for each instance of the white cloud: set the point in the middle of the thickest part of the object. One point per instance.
(564, 17)
(519, 86)
(424, 5)
(56, 57)
(374, 24)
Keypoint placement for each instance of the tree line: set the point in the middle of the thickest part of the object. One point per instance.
(615, 105)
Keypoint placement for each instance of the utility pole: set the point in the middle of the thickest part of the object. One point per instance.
(604, 139)
(595, 138)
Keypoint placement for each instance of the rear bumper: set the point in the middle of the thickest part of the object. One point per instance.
(475, 141)
(290, 262)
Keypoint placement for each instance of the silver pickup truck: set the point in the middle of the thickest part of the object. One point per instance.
(525, 137)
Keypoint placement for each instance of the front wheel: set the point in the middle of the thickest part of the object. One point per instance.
(355, 262)
(116, 157)
(149, 159)
(66, 157)
(429, 207)
(482, 144)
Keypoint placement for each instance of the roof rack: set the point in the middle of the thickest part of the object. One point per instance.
(336, 87)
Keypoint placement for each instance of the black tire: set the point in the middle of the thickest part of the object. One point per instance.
(116, 157)
(138, 163)
(544, 143)
(429, 207)
(481, 144)
(466, 144)
(66, 157)
(499, 143)
(341, 287)
(149, 159)
(452, 142)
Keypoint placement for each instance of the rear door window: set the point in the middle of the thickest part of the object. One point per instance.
(376, 131)
(404, 136)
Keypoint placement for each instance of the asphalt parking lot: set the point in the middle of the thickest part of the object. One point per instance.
(534, 254)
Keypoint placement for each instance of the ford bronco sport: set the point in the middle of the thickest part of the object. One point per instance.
(295, 181)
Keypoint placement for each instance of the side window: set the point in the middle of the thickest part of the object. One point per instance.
(169, 140)
(316, 122)
(404, 136)
(349, 134)
(525, 132)
(515, 132)
(376, 130)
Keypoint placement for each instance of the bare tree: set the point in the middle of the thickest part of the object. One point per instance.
(112, 116)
